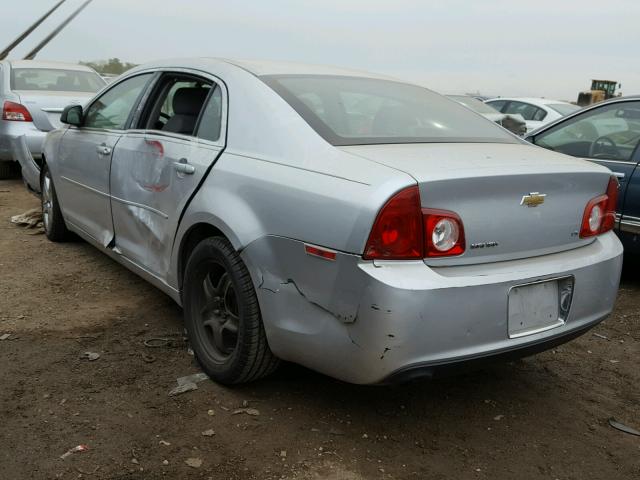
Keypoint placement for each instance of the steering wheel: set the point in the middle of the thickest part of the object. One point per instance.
(604, 147)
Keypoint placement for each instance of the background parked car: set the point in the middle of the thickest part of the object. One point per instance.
(513, 123)
(535, 111)
(607, 133)
(32, 96)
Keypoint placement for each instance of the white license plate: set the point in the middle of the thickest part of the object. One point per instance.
(534, 308)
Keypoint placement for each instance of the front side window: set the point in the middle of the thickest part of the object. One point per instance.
(55, 80)
(113, 108)
(348, 110)
(607, 132)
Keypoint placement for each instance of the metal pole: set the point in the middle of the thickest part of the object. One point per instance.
(32, 54)
(26, 33)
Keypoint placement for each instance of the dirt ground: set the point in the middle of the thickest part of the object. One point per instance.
(543, 417)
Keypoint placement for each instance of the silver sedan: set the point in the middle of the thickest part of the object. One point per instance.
(361, 226)
(32, 97)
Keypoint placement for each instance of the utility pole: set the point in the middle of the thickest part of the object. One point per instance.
(26, 33)
(32, 54)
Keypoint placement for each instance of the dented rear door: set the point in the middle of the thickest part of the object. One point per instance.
(153, 176)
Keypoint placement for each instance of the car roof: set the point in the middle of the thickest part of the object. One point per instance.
(533, 100)
(48, 64)
(260, 67)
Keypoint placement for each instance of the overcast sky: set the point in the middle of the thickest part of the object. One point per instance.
(534, 48)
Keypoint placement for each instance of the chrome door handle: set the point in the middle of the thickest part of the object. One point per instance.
(183, 167)
(620, 175)
(103, 149)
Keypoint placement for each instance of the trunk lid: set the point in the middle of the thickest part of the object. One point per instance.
(46, 107)
(488, 186)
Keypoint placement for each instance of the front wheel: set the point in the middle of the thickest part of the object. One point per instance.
(54, 226)
(222, 315)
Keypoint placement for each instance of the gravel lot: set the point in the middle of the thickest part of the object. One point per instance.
(543, 417)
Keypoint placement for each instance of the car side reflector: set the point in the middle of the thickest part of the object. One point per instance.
(320, 252)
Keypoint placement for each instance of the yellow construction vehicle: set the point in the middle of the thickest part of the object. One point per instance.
(600, 90)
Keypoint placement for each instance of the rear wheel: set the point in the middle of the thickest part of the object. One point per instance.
(54, 226)
(222, 315)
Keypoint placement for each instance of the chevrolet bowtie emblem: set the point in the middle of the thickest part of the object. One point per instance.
(533, 199)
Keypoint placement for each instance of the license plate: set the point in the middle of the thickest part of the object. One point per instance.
(534, 308)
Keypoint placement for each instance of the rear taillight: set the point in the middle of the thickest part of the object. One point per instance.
(444, 233)
(600, 213)
(397, 231)
(15, 112)
(404, 230)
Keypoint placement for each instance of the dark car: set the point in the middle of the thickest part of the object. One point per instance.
(607, 133)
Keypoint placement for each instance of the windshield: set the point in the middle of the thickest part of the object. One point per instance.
(55, 80)
(348, 110)
(563, 108)
(473, 103)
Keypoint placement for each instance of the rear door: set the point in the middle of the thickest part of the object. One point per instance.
(608, 135)
(157, 167)
(84, 158)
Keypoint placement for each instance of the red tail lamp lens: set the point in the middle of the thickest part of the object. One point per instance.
(397, 231)
(15, 112)
(600, 213)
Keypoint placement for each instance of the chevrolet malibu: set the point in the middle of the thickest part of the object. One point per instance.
(361, 226)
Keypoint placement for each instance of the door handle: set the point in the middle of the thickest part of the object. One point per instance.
(103, 149)
(619, 175)
(183, 166)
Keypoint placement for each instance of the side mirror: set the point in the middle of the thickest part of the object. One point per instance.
(72, 115)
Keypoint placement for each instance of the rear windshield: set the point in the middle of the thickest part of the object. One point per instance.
(348, 110)
(563, 108)
(55, 80)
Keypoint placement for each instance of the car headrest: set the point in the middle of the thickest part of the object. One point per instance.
(189, 101)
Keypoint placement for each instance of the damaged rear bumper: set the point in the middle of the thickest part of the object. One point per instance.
(30, 169)
(366, 322)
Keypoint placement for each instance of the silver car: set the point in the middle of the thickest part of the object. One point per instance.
(364, 227)
(32, 96)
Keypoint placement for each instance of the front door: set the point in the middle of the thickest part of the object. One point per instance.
(158, 167)
(85, 158)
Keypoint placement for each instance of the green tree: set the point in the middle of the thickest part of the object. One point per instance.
(113, 66)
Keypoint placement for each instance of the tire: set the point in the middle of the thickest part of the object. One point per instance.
(222, 315)
(52, 220)
(8, 169)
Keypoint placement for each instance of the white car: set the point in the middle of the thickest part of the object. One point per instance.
(535, 111)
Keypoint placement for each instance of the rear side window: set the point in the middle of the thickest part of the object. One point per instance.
(211, 119)
(55, 80)
(528, 111)
(347, 110)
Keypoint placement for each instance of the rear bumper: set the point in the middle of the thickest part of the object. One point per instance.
(457, 366)
(33, 136)
(413, 320)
